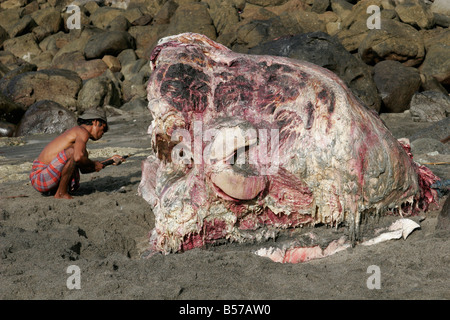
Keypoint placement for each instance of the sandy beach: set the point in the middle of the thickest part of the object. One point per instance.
(104, 230)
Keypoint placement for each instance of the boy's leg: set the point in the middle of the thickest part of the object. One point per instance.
(66, 176)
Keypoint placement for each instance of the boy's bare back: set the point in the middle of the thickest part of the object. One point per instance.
(75, 137)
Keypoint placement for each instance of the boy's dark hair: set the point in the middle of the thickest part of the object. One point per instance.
(89, 122)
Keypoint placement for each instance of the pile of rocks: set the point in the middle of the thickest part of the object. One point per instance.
(60, 57)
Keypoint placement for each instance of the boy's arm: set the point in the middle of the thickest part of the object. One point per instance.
(81, 158)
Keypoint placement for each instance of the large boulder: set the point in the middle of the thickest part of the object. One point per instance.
(192, 17)
(26, 67)
(11, 4)
(256, 32)
(145, 37)
(342, 8)
(225, 17)
(97, 93)
(49, 18)
(3, 70)
(437, 64)
(119, 23)
(10, 17)
(443, 220)
(3, 35)
(352, 27)
(430, 106)
(24, 47)
(136, 75)
(415, 13)
(101, 17)
(58, 85)
(24, 25)
(165, 13)
(71, 42)
(437, 130)
(396, 84)
(302, 20)
(108, 43)
(325, 51)
(7, 129)
(441, 7)
(46, 116)
(75, 61)
(10, 111)
(266, 3)
(394, 41)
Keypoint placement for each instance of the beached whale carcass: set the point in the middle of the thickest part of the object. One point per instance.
(247, 144)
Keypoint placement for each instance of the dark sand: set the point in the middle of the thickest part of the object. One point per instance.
(104, 230)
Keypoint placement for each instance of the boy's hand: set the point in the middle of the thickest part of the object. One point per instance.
(117, 159)
(98, 166)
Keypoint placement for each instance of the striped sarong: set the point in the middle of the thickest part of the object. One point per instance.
(45, 177)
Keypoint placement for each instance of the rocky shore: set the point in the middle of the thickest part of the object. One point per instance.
(61, 57)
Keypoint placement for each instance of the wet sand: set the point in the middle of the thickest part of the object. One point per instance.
(104, 230)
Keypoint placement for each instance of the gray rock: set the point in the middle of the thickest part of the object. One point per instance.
(441, 7)
(98, 92)
(101, 17)
(58, 85)
(136, 105)
(50, 18)
(127, 56)
(3, 70)
(415, 13)
(438, 130)
(320, 6)
(132, 68)
(437, 63)
(119, 23)
(256, 32)
(108, 43)
(341, 7)
(10, 17)
(142, 21)
(225, 18)
(23, 47)
(10, 111)
(7, 129)
(394, 41)
(442, 20)
(46, 116)
(443, 221)
(40, 33)
(145, 36)
(165, 13)
(26, 67)
(325, 51)
(199, 20)
(396, 84)
(430, 106)
(430, 83)
(3, 35)
(75, 61)
(24, 25)
(265, 3)
(300, 21)
(427, 145)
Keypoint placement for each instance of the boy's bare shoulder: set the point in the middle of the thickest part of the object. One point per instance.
(78, 132)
